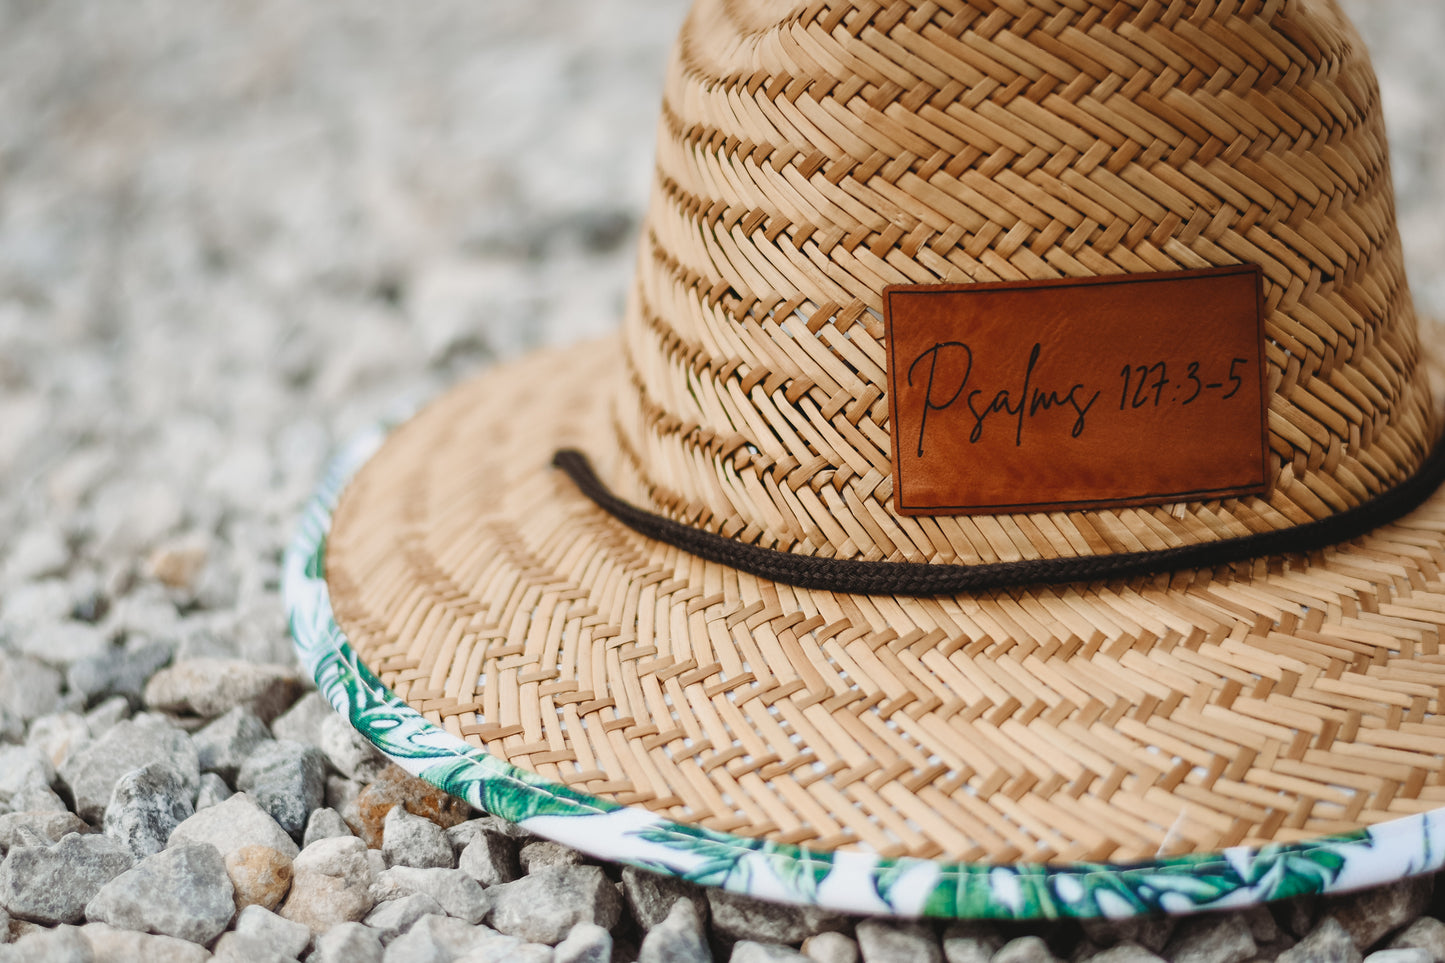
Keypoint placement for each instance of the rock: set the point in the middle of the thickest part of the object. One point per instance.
(464, 832)
(113, 945)
(53, 884)
(650, 896)
(679, 938)
(1296, 915)
(324, 823)
(831, 948)
(261, 876)
(210, 687)
(1413, 954)
(146, 805)
(1150, 932)
(458, 894)
(341, 795)
(131, 515)
(48, 826)
(543, 907)
(349, 751)
(222, 745)
(91, 771)
(60, 643)
(117, 673)
(1261, 923)
(1022, 949)
(177, 561)
(24, 609)
(26, 775)
(884, 941)
(39, 552)
(256, 851)
(490, 859)
(1426, 933)
(235, 948)
(585, 943)
(434, 939)
(90, 606)
(56, 735)
(182, 891)
(394, 917)
(273, 932)
(751, 951)
(1328, 942)
(350, 943)
(499, 948)
(1211, 939)
(24, 768)
(287, 779)
(64, 944)
(25, 839)
(395, 786)
(738, 917)
(969, 941)
(37, 799)
(28, 687)
(302, 722)
(539, 853)
(12, 727)
(332, 884)
(409, 840)
(1125, 953)
(18, 929)
(1372, 914)
(107, 715)
(213, 790)
(233, 824)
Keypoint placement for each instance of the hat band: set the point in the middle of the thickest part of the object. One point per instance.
(859, 577)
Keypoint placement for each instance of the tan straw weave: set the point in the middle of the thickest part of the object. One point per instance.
(810, 155)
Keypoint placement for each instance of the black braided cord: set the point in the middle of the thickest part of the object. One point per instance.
(928, 579)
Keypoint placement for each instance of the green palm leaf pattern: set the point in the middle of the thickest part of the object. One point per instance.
(991, 893)
(730, 862)
(1286, 871)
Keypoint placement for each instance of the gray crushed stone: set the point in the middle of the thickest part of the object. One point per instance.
(182, 891)
(1328, 942)
(52, 884)
(90, 773)
(542, 907)
(146, 805)
(226, 742)
(409, 840)
(279, 935)
(350, 942)
(678, 938)
(287, 779)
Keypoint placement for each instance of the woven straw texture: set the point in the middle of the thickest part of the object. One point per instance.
(807, 158)
(807, 161)
(1110, 721)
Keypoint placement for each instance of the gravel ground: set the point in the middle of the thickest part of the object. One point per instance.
(233, 233)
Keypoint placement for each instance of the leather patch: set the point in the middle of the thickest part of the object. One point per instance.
(1077, 393)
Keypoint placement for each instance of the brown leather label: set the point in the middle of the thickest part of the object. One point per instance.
(1077, 393)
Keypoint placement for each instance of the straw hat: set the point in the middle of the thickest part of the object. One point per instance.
(1010, 492)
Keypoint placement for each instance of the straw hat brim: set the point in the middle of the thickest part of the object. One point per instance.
(1173, 743)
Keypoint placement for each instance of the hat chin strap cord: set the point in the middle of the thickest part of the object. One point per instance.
(861, 577)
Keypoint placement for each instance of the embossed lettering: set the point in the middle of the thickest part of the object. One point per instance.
(1026, 402)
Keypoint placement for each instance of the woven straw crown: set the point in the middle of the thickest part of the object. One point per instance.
(811, 154)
